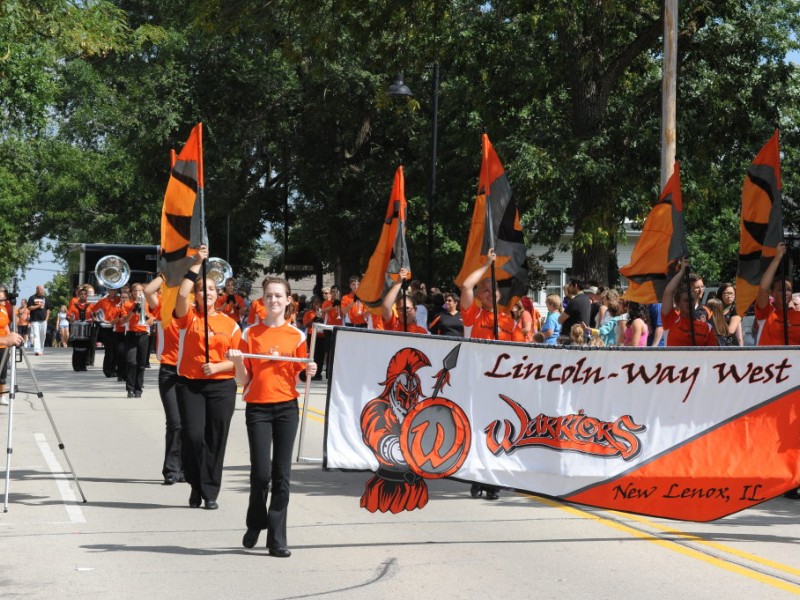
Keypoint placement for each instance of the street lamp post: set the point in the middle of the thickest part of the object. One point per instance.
(399, 88)
(434, 142)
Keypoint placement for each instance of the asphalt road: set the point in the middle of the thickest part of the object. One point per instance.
(136, 538)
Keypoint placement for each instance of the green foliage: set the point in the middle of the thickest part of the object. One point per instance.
(302, 139)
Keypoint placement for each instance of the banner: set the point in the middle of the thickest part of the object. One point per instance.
(760, 223)
(182, 219)
(495, 223)
(685, 434)
(660, 247)
(391, 253)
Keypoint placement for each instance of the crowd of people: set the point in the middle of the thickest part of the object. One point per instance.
(199, 371)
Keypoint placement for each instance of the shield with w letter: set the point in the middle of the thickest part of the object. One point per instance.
(435, 438)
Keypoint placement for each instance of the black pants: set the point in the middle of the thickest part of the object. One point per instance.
(106, 337)
(119, 355)
(167, 382)
(206, 407)
(4, 370)
(136, 348)
(319, 354)
(92, 346)
(80, 354)
(271, 429)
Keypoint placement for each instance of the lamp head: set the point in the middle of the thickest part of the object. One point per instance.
(398, 86)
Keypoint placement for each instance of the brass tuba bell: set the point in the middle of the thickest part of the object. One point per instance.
(219, 271)
(112, 272)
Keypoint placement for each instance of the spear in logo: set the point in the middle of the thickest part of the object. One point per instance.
(443, 376)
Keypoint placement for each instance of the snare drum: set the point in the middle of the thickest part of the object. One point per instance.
(80, 331)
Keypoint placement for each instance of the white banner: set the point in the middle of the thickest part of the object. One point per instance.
(688, 434)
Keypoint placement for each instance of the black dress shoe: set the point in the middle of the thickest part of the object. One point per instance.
(137, 394)
(195, 498)
(280, 552)
(130, 394)
(792, 495)
(211, 505)
(492, 494)
(250, 537)
(169, 480)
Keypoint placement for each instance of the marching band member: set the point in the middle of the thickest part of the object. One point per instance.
(230, 303)
(257, 310)
(104, 312)
(80, 311)
(206, 389)
(167, 352)
(135, 315)
(271, 415)
(773, 293)
(121, 366)
(352, 307)
(405, 304)
(481, 321)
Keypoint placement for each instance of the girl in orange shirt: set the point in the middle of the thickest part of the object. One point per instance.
(206, 388)
(167, 352)
(272, 417)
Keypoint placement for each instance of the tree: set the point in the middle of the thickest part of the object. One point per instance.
(302, 138)
(37, 37)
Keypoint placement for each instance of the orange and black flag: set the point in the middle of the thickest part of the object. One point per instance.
(495, 224)
(182, 219)
(659, 250)
(391, 253)
(761, 222)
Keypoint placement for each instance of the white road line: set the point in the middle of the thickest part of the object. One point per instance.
(74, 511)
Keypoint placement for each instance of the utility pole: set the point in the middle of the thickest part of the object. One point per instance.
(669, 90)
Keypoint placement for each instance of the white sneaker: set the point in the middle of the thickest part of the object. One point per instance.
(3, 401)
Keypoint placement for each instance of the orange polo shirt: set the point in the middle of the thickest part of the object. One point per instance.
(772, 327)
(134, 326)
(354, 309)
(482, 323)
(5, 321)
(109, 307)
(395, 324)
(679, 334)
(334, 316)
(233, 310)
(166, 340)
(223, 334)
(257, 311)
(272, 381)
(76, 309)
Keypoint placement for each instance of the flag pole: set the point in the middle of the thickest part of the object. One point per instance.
(201, 195)
(785, 308)
(401, 223)
(690, 298)
(489, 228)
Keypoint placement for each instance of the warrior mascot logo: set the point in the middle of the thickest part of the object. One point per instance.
(412, 438)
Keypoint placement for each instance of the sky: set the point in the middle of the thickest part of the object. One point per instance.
(40, 273)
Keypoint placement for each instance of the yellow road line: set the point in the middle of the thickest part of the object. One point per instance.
(675, 547)
(716, 545)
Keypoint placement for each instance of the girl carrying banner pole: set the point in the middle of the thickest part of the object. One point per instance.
(206, 388)
(272, 413)
(486, 325)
